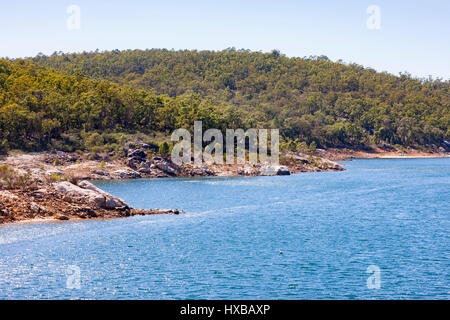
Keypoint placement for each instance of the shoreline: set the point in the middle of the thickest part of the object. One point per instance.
(59, 190)
(378, 153)
(56, 220)
(49, 187)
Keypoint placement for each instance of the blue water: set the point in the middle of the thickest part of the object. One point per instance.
(305, 236)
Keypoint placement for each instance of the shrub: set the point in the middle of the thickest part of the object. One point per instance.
(164, 149)
(94, 140)
(10, 179)
(54, 178)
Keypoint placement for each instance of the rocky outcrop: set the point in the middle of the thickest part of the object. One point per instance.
(91, 193)
(164, 165)
(111, 202)
(135, 158)
(138, 154)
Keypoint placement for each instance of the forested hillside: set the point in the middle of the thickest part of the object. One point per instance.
(313, 99)
(76, 101)
(42, 109)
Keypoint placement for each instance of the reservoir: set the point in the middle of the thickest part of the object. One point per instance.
(305, 236)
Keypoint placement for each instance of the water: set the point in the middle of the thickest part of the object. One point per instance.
(305, 236)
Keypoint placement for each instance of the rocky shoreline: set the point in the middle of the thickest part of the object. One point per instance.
(62, 201)
(55, 187)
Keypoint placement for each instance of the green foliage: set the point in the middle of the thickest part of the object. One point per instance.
(309, 99)
(94, 140)
(97, 100)
(164, 148)
(54, 178)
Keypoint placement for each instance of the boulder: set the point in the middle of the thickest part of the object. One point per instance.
(201, 171)
(74, 191)
(124, 174)
(86, 190)
(271, 170)
(134, 162)
(163, 165)
(139, 154)
(283, 171)
(101, 173)
(246, 171)
(145, 168)
(110, 201)
(268, 171)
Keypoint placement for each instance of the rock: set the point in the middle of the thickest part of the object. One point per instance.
(86, 211)
(39, 194)
(134, 162)
(270, 170)
(206, 170)
(8, 195)
(139, 154)
(110, 201)
(283, 171)
(74, 191)
(123, 174)
(101, 173)
(145, 168)
(246, 171)
(37, 208)
(335, 166)
(3, 210)
(113, 203)
(163, 165)
(62, 217)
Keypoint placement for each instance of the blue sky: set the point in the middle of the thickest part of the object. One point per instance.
(414, 35)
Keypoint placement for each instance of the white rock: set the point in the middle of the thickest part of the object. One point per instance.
(74, 191)
(111, 202)
(270, 170)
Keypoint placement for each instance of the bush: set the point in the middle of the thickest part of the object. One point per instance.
(94, 140)
(54, 178)
(164, 149)
(10, 179)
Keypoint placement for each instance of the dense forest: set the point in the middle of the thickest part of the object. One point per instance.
(79, 100)
(43, 109)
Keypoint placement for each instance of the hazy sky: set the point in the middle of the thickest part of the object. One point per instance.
(414, 36)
